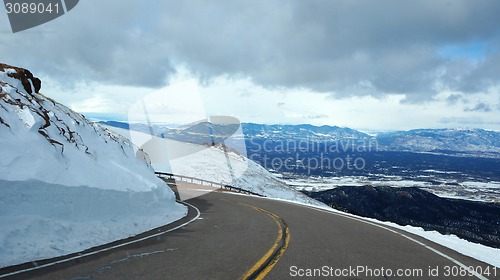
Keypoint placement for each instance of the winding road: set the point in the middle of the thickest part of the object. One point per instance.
(231, 236)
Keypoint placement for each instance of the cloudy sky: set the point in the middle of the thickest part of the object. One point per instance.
(369, 65)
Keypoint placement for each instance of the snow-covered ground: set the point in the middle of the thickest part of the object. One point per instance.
(212, 164)
(68, 184)
(477, 251)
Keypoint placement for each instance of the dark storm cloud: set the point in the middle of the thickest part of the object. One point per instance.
(342, 47)
(97, 41)
(480, 107)
(453, 99)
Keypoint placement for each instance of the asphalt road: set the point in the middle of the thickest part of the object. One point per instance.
(238, 236)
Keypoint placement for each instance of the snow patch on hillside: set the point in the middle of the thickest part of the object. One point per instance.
(213, 164)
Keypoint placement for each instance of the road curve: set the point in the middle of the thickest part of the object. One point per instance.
(234, 234)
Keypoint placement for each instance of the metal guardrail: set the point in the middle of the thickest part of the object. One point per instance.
(199, 181)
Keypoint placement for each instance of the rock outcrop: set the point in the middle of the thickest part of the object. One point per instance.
(30, 83)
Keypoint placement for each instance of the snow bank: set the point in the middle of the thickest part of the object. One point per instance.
(42, 220)
(68, 184)
(477, 251)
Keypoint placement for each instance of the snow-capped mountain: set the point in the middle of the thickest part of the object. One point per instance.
(302, 132)
(418, 140)
(205, 130)
(421, 140)
(67, 184)
(475, 142)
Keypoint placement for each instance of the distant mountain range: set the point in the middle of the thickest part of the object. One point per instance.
(424, 140)
(469, 142)
(301, 132)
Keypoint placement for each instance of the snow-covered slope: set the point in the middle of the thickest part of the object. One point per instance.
(67, 184)
(213, 164)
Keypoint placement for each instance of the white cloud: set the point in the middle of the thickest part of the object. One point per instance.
(187, 100)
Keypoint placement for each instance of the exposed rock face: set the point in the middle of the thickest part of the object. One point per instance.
(475, 221)
(29, 82)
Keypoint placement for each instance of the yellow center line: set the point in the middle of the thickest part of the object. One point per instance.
(268, 261)
(275, 260)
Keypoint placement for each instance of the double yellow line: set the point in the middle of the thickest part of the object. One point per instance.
(265, 264)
